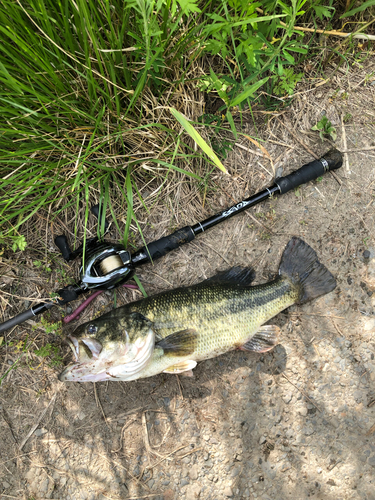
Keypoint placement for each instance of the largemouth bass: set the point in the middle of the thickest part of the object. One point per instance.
(172, 331)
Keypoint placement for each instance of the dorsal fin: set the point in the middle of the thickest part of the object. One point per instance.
(233, 276)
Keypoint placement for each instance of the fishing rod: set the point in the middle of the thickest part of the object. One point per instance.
(108, 265)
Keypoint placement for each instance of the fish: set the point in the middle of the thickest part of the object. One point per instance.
(172, 331)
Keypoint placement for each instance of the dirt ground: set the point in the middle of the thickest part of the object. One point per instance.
(297, 422)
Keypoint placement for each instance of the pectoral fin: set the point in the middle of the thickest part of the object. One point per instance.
(180, 343)
(184, 366)
(264, 340)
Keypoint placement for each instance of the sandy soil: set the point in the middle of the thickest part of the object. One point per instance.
(297, 422)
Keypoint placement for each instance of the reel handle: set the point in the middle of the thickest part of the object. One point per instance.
(332, 160)
(62, 244)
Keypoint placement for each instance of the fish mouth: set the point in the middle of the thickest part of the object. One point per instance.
(73, 344)
(92, 365)
(84, 348)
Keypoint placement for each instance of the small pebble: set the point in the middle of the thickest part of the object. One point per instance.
(193, 473)
(193, 492)
(288, 397)
(40, 432)
(228, 491)
(168, 495)
(303, 411)
(366, 254)
(235, 472)
(369, 324)
(308, 431)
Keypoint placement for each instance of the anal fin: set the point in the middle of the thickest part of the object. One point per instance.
(184, 366)
(264, 340)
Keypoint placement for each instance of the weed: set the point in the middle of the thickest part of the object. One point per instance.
(265, 236)
(221, 146)
(369, 77)
(286, 83)
(62, 275)
(325, 128)
(360, 8)
(15, 241)
(50, 327)
(50, 351)
(44, 267)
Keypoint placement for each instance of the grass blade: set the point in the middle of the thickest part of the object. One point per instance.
(198, 139)
(249, 92)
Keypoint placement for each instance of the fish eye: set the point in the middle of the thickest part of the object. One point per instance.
(92, 329)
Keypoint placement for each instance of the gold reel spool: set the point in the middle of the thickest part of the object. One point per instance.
(110, 263)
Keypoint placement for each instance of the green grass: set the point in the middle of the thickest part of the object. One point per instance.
(23, 351)
(87, 89)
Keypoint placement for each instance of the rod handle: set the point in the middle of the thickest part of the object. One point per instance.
(332, 160)
(161, 247)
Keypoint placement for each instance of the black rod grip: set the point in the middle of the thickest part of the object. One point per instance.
(311, 171)
(161, 247)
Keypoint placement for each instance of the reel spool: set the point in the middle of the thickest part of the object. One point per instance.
(110, 264)
(105, 267)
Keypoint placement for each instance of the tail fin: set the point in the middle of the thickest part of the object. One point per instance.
(300, 265)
